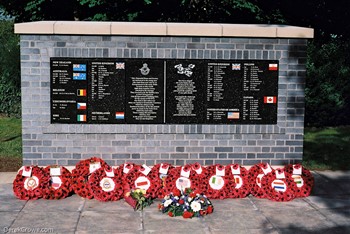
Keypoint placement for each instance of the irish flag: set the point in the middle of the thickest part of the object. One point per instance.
(81, 118)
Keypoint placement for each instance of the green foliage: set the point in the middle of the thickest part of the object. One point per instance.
(10, 92)
(327, 148)
(328, 84)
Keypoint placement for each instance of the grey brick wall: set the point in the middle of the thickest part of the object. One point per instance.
(66, 144)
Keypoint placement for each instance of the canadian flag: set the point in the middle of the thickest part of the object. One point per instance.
(270, 99)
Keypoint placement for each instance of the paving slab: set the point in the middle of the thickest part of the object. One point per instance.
(239, 220)
(7, 177)
(7, 219)
(70, 204)
(117, 222)
(327, 202)
(115, 206)
(156, 221)
(56, 220)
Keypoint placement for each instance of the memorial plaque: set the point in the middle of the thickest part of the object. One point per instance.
(158, 91)
(145, 91)
(107, 91)
(68, 91)
(186, 87)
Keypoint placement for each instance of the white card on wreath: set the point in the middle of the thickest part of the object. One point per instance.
(236, 171)
(127, 168)
(220, 171)
(27, 171)
(145, 169)
(109, 172)
(94, 166)
(198, 169)
(297, 170)
(266, 170)
(185, 172)
(55, 171)
(280, 174)
(163, 169)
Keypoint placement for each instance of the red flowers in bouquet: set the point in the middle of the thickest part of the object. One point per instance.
(81, 173)
(106, 184)
(188, 204)
(30, 182)
(60, 183)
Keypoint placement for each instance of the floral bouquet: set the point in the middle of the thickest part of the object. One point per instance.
(186, 203)
(138, 199)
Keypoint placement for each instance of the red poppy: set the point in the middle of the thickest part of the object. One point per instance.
(187, 214)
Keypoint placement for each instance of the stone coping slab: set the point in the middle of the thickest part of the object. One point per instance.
(163, 29)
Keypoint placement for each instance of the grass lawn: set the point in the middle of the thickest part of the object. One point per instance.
(10, 144)
(324, 148)
(327, 148)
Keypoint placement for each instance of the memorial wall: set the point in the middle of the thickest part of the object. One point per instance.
(162, 92)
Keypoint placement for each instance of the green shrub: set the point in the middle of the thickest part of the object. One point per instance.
(328, 84)
(10, 90)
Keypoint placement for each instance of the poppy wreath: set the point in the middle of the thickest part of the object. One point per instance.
(175, 178)
(30, 182)
(59, 185)
(161, 171)
(200, 178)
(143, 177)
(81, 173)
(218, 184)
(239, 176)
(302, 177)
(255, 174)
(106, 184)
(278, 188)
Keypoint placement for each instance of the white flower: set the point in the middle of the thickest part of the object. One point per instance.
(167, 203)
(195, 206)
(176, 197)
(189, 199)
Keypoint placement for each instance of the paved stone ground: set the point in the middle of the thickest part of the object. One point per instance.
(327, 210)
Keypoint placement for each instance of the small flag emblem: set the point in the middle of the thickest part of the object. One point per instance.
(119, 115)
(79, 67)
(81, 106)
(236, 66)
(81, 118)
(258, 179)
(298, 180)
(273, 67)
(238, 181)
(279, 185)
(119, 66)
(142, 182)
(79, 76)
(270, 99)
(182, 183)
(81, 92)
(232, 115)
(216, 182)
